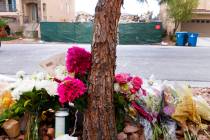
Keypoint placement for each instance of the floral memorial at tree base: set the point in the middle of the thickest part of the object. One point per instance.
(45, 106)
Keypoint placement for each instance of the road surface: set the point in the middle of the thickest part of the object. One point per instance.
(166, 63)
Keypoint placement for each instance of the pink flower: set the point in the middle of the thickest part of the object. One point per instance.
(123, 78)
(137, 83)
(70, 89)
(78, 60)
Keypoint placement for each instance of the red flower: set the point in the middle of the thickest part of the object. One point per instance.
(137, 83)
(133, 91)
(78, 60)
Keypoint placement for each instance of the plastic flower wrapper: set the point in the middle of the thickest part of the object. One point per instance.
(186, 108)
(180, 106)
(168, 127)
(151, 105)
(171, 99)
(152, 102)
(202, 107)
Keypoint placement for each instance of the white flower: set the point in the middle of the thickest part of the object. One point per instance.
(22, 86)
(116, 87)
(16, 94)
(20, 74)
(60, 72)
(49, 86)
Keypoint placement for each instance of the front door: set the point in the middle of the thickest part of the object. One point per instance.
(33, 12)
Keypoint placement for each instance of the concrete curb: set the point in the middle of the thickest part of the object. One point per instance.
(198, 84)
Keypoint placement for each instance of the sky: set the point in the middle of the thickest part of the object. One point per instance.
(130, 6)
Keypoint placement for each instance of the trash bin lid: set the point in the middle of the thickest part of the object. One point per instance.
(181, 32)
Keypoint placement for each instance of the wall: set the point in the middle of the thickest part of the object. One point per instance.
(168, 22)
(204, 4)
(201, 16)
(59, 10)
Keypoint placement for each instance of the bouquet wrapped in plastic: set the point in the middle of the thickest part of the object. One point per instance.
(180, 106)
(203, 108)
(144, 102)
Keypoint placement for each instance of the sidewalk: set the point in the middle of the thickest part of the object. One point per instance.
(203, 42)
(22, 41)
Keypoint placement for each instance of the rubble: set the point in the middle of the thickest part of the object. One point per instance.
(130, 129)
(12, 128)
(84, 17)
(125, 18)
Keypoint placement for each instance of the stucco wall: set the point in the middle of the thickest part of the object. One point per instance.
(168, 22)
(59, 10)
(204, 4)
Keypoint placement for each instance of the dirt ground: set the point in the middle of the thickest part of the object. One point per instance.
(204, 92)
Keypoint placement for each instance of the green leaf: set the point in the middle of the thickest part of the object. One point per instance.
(17, 110)
(26, 103)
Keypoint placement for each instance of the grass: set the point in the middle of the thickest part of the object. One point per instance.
(7, 38)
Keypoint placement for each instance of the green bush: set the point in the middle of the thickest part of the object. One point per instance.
(7, 38)
(2, 23)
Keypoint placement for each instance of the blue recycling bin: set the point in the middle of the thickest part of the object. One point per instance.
(192, 39)
(181, 38)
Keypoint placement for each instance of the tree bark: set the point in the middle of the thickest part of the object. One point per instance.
(176, 27)
(99, 121)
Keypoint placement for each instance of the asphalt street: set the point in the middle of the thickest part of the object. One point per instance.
(166, 63)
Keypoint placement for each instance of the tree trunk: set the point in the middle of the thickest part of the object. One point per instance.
(176, 27)
(99, 123)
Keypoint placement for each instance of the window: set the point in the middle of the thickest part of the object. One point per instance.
(198, 21)
(193, 21)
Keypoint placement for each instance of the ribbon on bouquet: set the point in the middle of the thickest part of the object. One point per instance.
(142, 112)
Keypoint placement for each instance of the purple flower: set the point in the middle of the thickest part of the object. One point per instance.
(169, 110)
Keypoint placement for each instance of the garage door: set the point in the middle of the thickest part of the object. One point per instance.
(198, 25)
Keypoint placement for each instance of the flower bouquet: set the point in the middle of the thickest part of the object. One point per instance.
(180, 106)
(33, 96)
(143, 102)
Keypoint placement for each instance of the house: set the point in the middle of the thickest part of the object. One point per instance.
(200, 21)
(26, 14)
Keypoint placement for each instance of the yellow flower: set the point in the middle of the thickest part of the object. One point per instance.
(6, 101)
